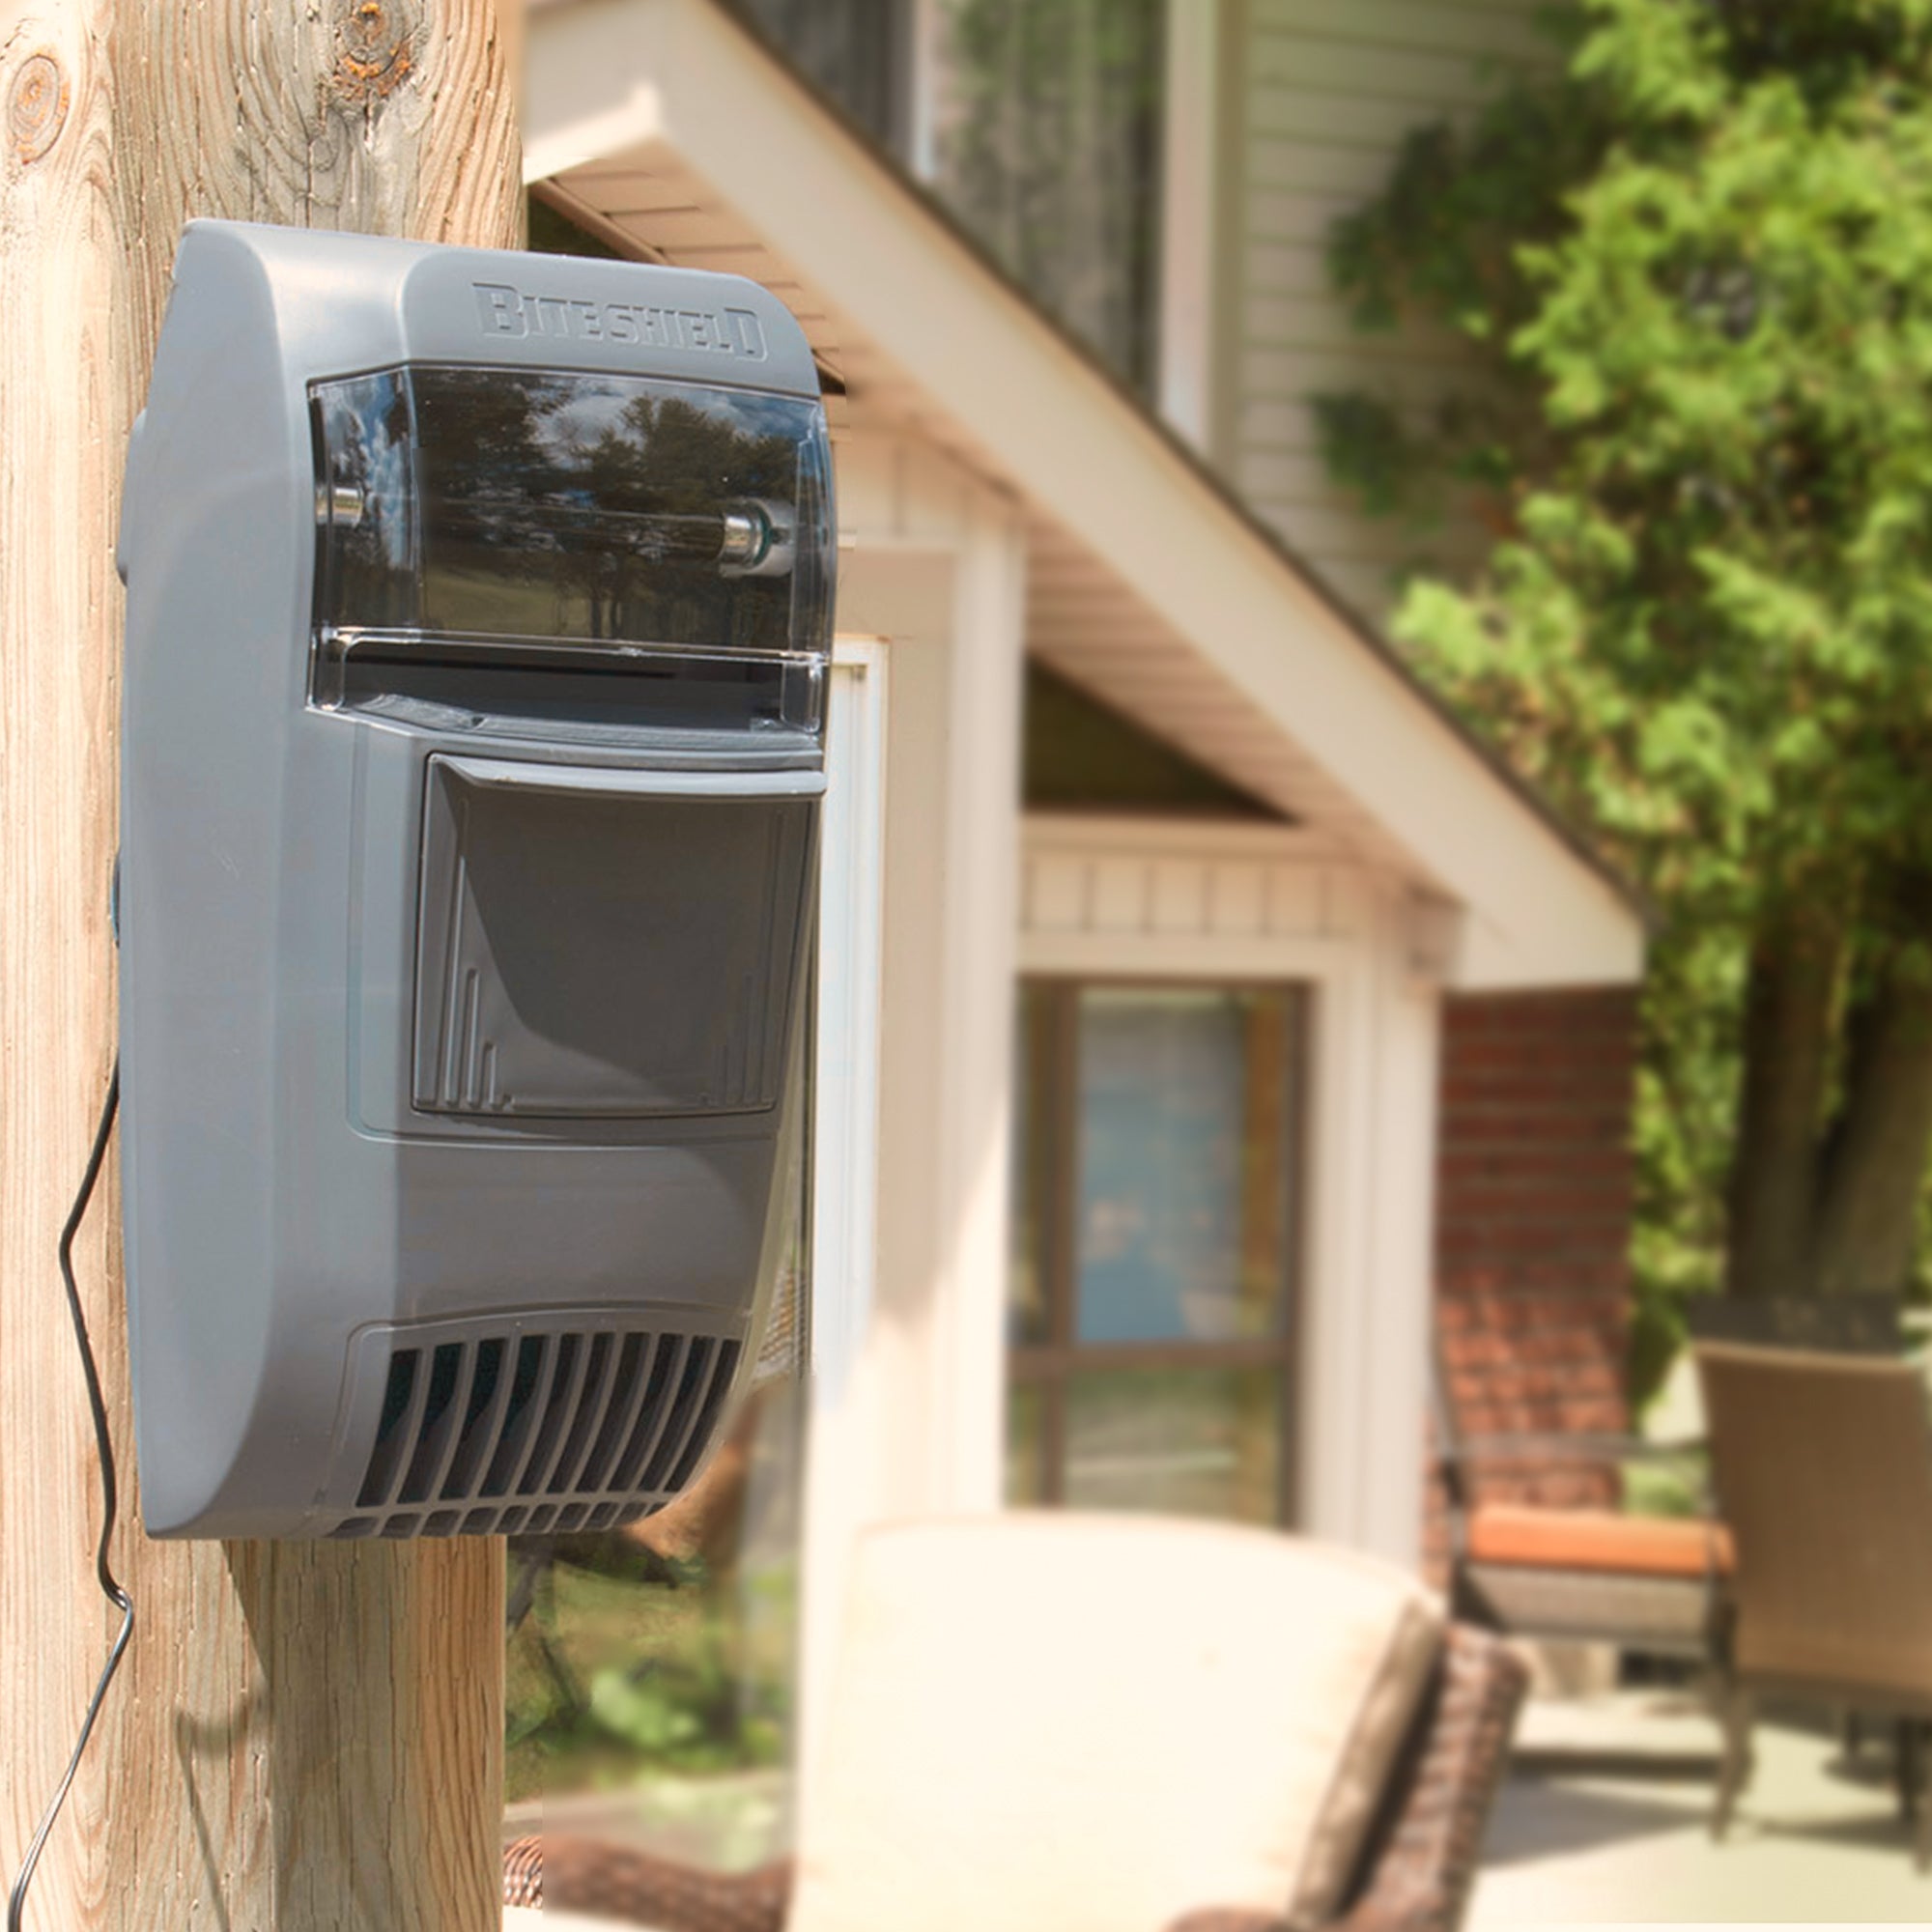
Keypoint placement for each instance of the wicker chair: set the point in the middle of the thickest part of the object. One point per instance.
(1575, 1574)
(1823, 1463)
(1653, 1586)
(1865, 1323)
(1412, 1873)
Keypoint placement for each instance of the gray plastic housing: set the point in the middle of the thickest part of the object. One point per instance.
(459, 997)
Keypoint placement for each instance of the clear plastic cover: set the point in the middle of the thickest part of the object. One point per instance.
(510, 518)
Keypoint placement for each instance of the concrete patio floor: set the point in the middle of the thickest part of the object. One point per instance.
(1605, 1820)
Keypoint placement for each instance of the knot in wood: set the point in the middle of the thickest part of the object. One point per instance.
(36, 103)
(375, 58)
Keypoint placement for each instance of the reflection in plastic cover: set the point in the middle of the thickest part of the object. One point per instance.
(498, 517)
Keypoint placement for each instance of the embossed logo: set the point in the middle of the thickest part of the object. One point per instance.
(504, 310)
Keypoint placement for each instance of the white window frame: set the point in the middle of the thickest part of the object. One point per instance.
(1194, 292)
(926, 28)
(846, 1163)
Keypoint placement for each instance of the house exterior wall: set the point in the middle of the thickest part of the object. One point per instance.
(1533, 1220)
(1318, 98)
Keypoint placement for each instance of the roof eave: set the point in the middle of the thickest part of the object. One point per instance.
(608, 76)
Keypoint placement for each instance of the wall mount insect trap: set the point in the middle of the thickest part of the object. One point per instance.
(477, 625)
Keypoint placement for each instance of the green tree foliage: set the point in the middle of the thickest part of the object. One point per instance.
(1694, 265)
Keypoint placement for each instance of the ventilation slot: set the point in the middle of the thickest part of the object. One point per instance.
(390, 1432)
(696, 1438)
(498, 1433)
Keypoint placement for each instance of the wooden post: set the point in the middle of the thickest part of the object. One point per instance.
(305, 1738)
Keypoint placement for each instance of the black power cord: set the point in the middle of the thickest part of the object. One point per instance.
(17, 1902)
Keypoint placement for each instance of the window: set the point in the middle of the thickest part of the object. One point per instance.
(1050, 150)
(1156, 1227)
(857, 50)
(1042, 127)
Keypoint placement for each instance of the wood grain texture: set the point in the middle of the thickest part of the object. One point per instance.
(305, 1738)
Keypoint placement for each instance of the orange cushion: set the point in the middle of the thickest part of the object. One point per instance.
(1553, 1539)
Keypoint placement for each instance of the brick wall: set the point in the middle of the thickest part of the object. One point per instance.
(1533, 1222)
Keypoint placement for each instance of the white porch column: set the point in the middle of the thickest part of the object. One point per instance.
(908, 1399)
(951, 864)
(1370, 1327)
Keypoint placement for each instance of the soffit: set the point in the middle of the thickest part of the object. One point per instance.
(1081, 617)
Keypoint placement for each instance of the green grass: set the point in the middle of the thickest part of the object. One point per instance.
(615, 1677)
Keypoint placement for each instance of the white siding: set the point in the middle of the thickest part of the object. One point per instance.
(1327, 89)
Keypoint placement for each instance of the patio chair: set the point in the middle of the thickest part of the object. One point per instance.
(1655, 1585)
(1823, 1467)
(1056, 1723)
(1575, 1573)
(1864, 1324)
